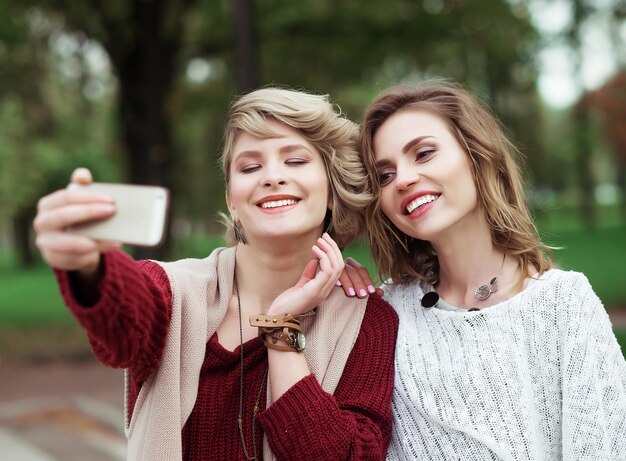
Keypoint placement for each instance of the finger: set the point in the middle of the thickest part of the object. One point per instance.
(357, 282)
(81, 176)
(327, 274)
(363, 273)
(68, 197)
(106, 247)
(333, 254)
(62, 242)
(66, 216)
(329, 269)
(308, 273)
(64, 261)
(379, 293)
(335, 250)
(346, 283)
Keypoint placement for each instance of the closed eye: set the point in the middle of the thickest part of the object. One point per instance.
(250, 168)
(296, 161)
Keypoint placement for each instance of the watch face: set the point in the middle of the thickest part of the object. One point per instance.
(299, 341)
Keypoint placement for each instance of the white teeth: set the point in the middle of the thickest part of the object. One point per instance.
(278, 203)
(419, 201)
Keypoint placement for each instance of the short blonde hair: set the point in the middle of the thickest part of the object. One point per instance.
(494, 170)
(321, 124)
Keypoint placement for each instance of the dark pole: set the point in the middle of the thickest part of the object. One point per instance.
(246, 62)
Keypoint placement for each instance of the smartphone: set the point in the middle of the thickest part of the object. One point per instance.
(140, 218)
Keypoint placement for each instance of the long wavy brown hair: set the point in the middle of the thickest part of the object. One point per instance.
(494, 170)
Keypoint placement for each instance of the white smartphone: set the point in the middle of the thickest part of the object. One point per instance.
(140, 217)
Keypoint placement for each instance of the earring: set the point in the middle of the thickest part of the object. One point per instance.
(238, 230)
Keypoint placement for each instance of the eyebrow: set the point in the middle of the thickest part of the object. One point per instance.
(283, 150)
(407, 147)
(413, 142)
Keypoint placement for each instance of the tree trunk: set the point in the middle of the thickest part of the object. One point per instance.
(21, 235)
(583, 150)
(246, 65)
(146, 71)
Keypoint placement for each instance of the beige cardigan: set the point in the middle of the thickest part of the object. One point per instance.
(201, 290)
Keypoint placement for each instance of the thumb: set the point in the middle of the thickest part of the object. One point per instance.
(81, 176)
(308, 273)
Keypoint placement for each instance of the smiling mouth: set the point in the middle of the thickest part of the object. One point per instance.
(270, 204)
(420, 202)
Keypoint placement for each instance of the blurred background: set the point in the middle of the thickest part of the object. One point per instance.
(137, 90)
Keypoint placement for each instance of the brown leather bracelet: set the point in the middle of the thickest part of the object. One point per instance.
(285, 328)
(275, 321)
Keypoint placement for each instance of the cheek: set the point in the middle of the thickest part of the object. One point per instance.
(386, 203)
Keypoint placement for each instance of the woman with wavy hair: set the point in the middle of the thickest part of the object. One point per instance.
(217, 366)
(500, 355)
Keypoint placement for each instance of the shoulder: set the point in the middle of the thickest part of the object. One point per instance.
(379, 317)
(568, 290)
(565, 284)
(380, 309)
(217, 258)
(402, 295)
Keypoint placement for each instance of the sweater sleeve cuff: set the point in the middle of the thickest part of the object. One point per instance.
(102, 294)
(290, 421)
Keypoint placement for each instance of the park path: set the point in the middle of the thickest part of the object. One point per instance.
(72, 412)
(61, 412)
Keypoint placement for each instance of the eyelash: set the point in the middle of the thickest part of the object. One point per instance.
(384, 177)
(254, 167)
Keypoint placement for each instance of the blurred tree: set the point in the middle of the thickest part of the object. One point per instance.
(42, 128)
(580, 113)
(610, 101)
(178, 63)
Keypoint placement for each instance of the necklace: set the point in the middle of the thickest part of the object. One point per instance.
(481, 293)
(258, 397)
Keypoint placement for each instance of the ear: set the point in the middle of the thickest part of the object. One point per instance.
(229, 204)
(331, 202)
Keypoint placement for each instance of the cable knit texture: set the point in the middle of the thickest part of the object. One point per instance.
(537, 377)
(341, 412)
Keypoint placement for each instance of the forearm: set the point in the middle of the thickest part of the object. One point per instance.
(286, 368)
(354, 423)
(127, 318)
(309, 423)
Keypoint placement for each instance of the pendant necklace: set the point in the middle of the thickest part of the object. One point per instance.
(258, 397)
(481, 293)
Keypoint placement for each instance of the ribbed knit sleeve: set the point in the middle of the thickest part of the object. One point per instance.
(594, 380)
(307, 423)
(127, 323)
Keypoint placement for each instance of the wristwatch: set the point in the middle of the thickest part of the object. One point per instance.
(285, 328)
(294, 339)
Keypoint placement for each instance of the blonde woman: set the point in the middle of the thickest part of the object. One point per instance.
(216, 363)
(500, 355)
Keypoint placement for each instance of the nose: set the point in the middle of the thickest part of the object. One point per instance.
(274, 175)
(405, 177)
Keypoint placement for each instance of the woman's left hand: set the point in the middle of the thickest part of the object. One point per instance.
(314, 285)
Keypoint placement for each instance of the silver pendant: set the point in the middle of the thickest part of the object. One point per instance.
(484, 291)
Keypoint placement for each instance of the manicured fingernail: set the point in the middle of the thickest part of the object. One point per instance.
(338, 283)
(351, 291)
(371, 289)
(362, 293)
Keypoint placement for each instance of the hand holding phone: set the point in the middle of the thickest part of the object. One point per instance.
(140, 217)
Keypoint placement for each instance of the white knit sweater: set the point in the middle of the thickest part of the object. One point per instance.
(537, 377)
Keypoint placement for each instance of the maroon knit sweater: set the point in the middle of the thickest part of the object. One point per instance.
(127, 319)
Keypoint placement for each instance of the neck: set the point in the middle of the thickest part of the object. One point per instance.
(468, 260)
(266, 270)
